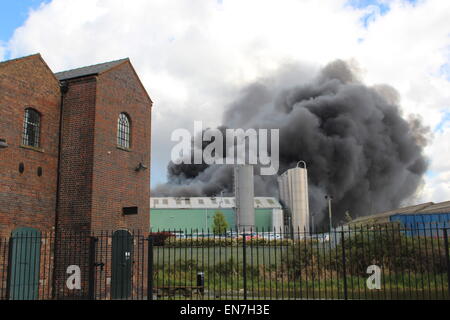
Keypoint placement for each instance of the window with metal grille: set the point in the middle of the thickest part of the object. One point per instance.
(31, 128)
(123, 131)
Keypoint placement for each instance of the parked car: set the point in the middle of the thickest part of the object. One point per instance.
(231, 234)
(249, 235)
(322, 237)
(271, 236)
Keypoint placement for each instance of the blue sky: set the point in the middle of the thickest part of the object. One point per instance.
(383, 7)
(13, 14)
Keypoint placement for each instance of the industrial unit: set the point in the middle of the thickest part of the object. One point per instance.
(197, 213)
(414, 218)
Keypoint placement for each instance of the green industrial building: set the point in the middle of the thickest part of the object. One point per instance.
(197, 213)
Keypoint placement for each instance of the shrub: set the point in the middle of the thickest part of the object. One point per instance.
(159, 238)
(391, 250)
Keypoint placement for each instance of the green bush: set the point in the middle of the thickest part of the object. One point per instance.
(159, 238)
(225, 242)
(391, 250)
(394, 251)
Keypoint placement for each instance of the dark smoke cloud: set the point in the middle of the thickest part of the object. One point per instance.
(356, 143)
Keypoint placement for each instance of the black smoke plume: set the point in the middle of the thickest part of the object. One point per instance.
(356, 144)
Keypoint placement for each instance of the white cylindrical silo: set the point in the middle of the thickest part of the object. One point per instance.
(299, 199)
(293, 188)
(244, 193)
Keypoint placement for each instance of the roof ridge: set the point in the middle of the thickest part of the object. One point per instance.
(93, 65)
(89, 70)
(20, 58)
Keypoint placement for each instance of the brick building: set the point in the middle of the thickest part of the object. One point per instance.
(74, 149)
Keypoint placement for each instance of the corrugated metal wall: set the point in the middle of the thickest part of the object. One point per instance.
(181, 219)
(419, 223)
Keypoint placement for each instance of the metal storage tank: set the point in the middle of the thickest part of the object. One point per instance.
(293, 187)
(244, 193)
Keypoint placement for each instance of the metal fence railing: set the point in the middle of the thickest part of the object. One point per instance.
(107, 265)
(359, 262)
(365, 262)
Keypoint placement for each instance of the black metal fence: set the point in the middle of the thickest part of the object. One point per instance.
(107, 265)
(365, 262)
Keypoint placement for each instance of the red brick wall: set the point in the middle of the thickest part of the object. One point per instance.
(27, 200)
(116, 184)
(77, 149)
(75, 183)
(98, 179)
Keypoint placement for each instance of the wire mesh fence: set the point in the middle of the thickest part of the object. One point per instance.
(360, 262)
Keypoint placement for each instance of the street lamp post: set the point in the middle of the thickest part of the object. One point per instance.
(329, 198)
(206, 219)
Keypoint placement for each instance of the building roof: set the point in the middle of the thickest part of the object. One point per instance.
(20, 58)
(442, 207)
(423, 208)
(32, 56)
(89, 70)
(209, 203)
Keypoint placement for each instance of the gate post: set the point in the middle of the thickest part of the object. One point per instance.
(448, 260)
(344, 266)
(8, 268)
(92, 265)
(150, 268)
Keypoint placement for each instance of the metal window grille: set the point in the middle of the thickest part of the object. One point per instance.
(123, 131)
(31, 128)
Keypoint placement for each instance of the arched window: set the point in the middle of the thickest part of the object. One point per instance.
(123, 131)
(31, 128)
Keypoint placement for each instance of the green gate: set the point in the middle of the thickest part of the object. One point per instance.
(122, 247)
(24, 260)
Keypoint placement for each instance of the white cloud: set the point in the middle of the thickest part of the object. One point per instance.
(437, 185)
(2, 51)
(193, 55)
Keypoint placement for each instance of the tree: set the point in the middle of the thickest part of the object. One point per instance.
(220, 225)
(348, 217)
